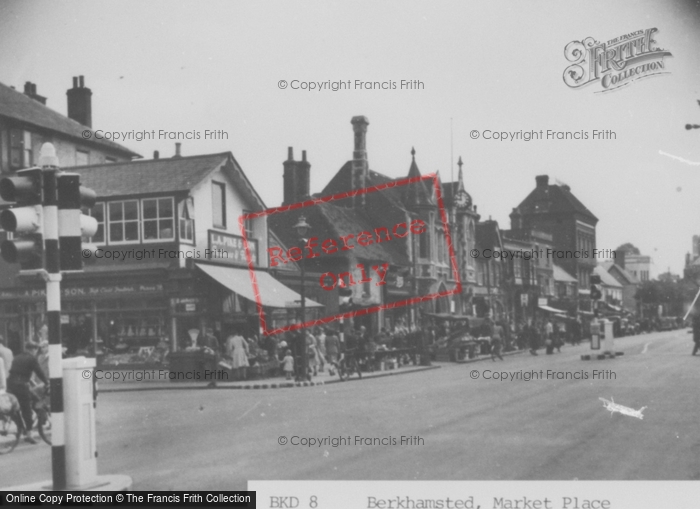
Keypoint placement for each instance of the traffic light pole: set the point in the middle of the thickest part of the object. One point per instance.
(53, 315)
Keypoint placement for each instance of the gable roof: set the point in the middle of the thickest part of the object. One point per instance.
(20, 107)
(605, 277)
(621, 274)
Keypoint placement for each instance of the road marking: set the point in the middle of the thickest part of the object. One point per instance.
(646, 347)
(248, 411)
(613, 407)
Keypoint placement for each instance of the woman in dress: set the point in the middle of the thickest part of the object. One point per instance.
(237, 349)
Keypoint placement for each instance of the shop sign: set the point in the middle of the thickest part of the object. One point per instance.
(184, 305)
(227, 248)
(542, 301)
(82, 292)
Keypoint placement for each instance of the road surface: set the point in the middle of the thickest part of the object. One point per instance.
(463, 428)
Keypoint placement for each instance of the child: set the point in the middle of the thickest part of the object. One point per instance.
(288, 363)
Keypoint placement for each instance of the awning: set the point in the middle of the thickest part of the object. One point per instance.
(272, 292)
(552, 310)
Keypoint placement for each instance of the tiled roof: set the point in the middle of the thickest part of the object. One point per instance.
(329, 220)
(18, 106)
(151, 176)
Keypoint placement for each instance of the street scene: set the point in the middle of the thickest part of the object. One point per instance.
(296, 250)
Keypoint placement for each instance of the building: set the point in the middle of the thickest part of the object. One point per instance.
(555, 210)
(418, 263)
(26, 123)
(611, 290)
(170, 262)
(640, 266)
(521, 279)
(490, 272)
(630, 283)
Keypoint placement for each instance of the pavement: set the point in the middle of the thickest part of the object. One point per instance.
(323, 378)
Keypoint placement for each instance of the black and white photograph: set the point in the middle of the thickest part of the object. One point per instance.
(363, 255)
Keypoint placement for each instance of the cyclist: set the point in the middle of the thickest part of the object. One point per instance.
(23, 366)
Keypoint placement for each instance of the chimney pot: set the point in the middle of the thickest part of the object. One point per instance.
(290, 154)
(156, 154)
(177, 149)
(542, 181)
(303, 155)
(81, 81)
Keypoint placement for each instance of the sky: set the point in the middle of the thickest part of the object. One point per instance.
(192, 66)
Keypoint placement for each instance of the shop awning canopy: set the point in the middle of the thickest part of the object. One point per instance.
(552, 310)
(272, 292)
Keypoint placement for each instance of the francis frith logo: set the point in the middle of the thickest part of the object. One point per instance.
(615, 63)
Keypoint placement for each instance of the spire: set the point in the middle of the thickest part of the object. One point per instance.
(413, 153)
(459, 163)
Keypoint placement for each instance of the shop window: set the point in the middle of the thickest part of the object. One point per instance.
(187, 221)
(158, 219)
(98, 212)
(123, 221)
(218, 202)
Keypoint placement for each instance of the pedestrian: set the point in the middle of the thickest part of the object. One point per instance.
(237, 349)
(332, 350)
(23, 367)
(533, 336)
(496, 341)
(696, 331)
(288, 364)
(549, 337)
(211, 347)
(321, 347)
(312, 353)
(7, 357)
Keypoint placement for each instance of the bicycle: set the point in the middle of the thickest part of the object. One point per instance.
(347, 365)
(12, 424)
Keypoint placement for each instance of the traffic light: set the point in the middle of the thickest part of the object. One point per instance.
(72, 225)
(25, 220)
(596, 287)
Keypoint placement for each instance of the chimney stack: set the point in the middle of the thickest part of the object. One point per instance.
(542, 181)
(296, 178)
(156, 154)
(360, 165)
(178, 145)
(80, 102)
(30, 91)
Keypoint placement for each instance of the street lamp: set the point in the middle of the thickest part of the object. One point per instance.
(302, 228)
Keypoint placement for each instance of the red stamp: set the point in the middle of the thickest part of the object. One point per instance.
(352, 249)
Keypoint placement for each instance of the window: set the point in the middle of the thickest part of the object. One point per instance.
(110, 160)
(158, 219)
(187, 221)
(424, 246)
(248, 225)
(82, 158)
(20, 149)
(124, 221)
(98, 212)
(218, 202)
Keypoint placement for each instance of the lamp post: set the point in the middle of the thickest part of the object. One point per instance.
(302, 228)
